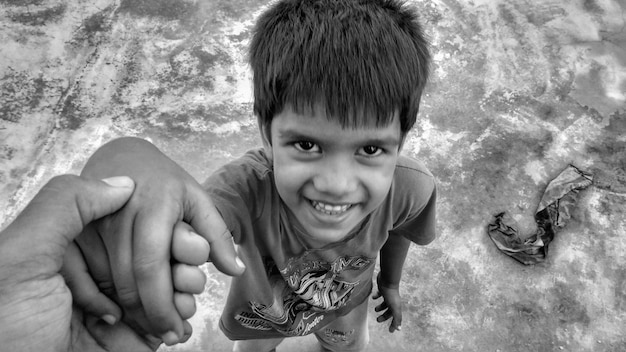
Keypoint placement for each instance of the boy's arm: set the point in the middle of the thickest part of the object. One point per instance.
(137, 238)
(392, 257)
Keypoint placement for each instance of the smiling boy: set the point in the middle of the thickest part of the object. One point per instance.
(337, 86)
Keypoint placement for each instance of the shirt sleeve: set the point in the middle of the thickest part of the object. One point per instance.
(238, 190)
(415, 196)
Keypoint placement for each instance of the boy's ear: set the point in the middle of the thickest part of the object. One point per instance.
(266, 137)
(402, 140)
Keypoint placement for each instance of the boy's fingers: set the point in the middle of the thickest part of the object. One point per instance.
(85, 292)
(384, 317)
(395, 323)
(396, 311)
(152, 240)
(188, 247)
(116, 233)
(185, 305)
(95, 255)
(208, 223)
(188, 278)
(187, 331)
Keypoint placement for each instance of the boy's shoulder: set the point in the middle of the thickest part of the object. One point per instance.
(256, 159)
(253, 163)
(413, 186)
(409, 166)
(253, 170)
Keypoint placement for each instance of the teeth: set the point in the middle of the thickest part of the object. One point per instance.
(329, 208)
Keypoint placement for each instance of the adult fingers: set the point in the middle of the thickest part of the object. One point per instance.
(202, 214)
(85, 292)
(188, 247)
(118, 337)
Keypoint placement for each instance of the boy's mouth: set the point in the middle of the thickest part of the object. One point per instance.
(330, 209)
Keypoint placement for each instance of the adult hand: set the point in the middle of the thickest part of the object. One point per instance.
(391, 306)
(36, 311)
(130, 252)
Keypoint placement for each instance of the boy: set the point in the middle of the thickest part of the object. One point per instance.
(337, 85)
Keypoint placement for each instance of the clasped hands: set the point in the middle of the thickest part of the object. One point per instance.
(142, 255)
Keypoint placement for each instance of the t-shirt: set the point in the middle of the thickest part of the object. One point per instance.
(289, 289)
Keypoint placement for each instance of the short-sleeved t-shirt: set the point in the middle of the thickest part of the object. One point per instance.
(289, 289)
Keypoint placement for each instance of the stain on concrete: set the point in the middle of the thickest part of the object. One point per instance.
(592, 7)
(71, 116)
(21, 2)
(567, 308)
(19, 92)
(38, 16)
(167, 9)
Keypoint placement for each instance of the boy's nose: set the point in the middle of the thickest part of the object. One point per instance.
(336, 177)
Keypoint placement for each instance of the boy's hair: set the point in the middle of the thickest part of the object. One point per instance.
(362, 60)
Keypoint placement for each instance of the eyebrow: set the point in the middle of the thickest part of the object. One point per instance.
(389, 141)
(293, 134)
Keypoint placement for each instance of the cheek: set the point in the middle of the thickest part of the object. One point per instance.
(378, 185)
(289, 179)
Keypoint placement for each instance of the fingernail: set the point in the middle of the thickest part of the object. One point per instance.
(119, 181)
(170, 338)
(110, 319)
(240, 263)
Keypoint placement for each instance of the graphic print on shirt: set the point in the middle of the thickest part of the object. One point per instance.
(303, 293)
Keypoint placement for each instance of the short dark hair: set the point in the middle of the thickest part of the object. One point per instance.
(363, 60)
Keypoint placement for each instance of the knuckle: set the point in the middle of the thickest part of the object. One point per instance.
(62, 181)
(159, 319)
(129, 298)
(92, 305)
(58, 185)
(106, 287)
(144, 266)
(182, 227)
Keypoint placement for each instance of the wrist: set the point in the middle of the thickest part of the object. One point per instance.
(382, 282)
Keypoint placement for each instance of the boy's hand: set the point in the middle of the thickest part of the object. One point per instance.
(137, 239)
(391, 307)
(189, 250)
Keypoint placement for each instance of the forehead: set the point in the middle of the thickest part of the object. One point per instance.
(315, 123)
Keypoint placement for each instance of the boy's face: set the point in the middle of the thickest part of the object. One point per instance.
(331, 177)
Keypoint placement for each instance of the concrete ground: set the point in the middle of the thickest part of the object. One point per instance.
(520, 89)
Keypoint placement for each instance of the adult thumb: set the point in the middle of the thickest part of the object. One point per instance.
(61, 209)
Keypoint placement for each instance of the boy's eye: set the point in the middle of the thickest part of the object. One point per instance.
(306, 146)
(372, 150)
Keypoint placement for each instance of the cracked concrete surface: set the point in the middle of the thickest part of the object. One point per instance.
(519, 90)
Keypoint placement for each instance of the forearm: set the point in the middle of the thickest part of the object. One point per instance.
(392, 257)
